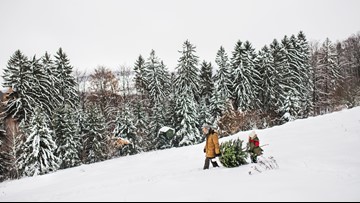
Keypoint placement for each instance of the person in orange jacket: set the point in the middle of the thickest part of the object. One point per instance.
(212, 147)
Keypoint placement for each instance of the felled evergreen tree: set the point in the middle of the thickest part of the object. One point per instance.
(233, 153)
(38, 155)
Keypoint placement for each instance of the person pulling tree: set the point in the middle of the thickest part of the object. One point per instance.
(253, 147)
(212, 147)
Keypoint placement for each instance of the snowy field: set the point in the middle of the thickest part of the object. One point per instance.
(318, 159)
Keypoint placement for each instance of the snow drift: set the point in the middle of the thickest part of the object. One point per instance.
(318, 159)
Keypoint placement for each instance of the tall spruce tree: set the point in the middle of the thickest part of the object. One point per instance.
(207, 85)
(269, 81)
(307, 72)
(279, 75)
(246, 82)
(187, 96)
(66, 83)
(38, 156)
(223, 77)
(126, 129)
(50, 79)
(327, 74)
(18, 76)
(67, 137)
(157, 79)
(95, 139)
(140, 81)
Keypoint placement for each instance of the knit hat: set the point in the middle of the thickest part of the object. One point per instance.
(252, 134)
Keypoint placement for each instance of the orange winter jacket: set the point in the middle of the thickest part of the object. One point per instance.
(212, 147)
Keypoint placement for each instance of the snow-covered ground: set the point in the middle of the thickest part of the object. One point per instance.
(318, 159)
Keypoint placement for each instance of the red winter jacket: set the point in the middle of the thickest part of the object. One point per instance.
(255, 141)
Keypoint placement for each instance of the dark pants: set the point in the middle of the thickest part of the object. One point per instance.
(207, 163)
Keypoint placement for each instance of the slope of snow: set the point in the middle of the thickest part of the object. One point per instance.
(318, 159)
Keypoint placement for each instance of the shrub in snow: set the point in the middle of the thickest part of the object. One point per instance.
(233, 153)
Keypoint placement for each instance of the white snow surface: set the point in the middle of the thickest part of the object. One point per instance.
(319, 160)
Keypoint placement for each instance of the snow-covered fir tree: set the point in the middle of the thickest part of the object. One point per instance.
(292, 76)
(38, 152)
(157, 79)
(140, 81)
(223, 77)
(187, 96)
(327, 74)
(126, 130)
(95, 139)
(50, 79)
(67, 83)
(188, 78)
(269, 94)
(18, 76)
(141, 123)
(279, 90)
(205, 116)
(157, 122)
(67, 137)
(246, 79)
(187, 132)
(307, 72)
(206, 82)
(217, 106)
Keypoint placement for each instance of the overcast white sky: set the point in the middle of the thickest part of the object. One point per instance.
(115, 32)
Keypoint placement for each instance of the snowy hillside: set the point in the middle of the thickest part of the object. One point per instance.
(318, 158)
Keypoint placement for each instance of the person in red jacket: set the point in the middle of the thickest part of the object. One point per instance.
(254, 147)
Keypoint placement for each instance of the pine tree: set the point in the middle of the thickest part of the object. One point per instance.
(187, 97)
(246, 82)
(140, 81)
(95, 140)
(126, 129)
(206, 82)
(17, 76)
(307, 72)
(156, 123)
(157, 79)
(187, 125)
(223, 77)
(50, 80)
(291, 75)
(280, 79)
(38, 151)
(327, 74)
(67, 138)
(67, 83)
(217, 107)
(141, 123)
(187, 71)
(205, 116)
